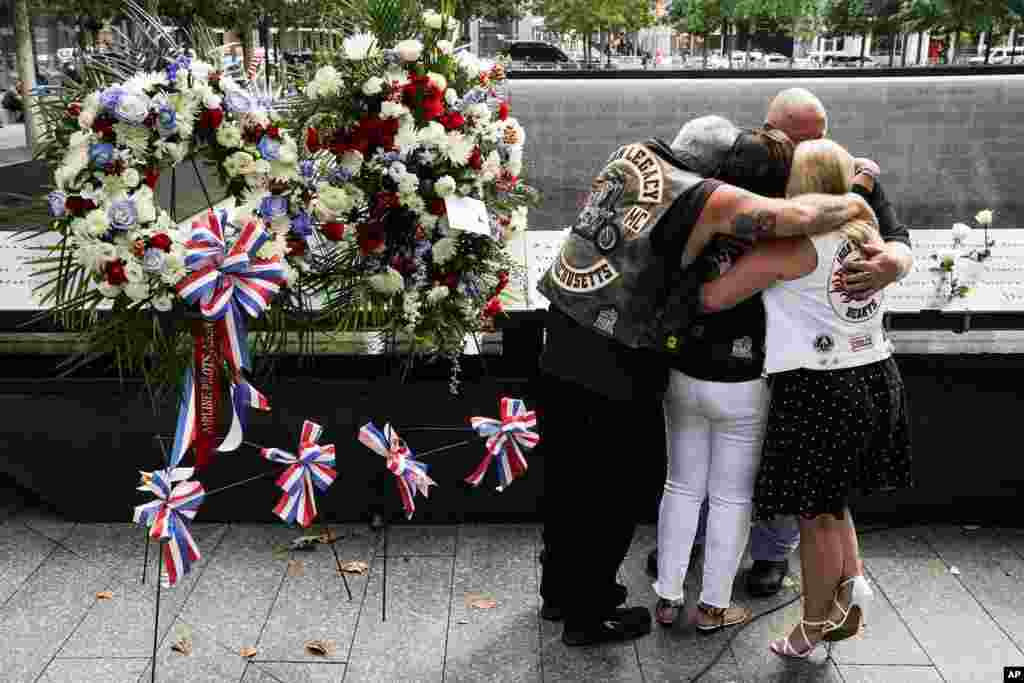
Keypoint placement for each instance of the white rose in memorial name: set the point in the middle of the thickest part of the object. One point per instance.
(961, 231)
(444, 186)
(444, 249)
(433, 20)
(387, 283)
(409, 50)
(373, 85)
(984, 217)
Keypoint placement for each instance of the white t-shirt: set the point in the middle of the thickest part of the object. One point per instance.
(810, 324)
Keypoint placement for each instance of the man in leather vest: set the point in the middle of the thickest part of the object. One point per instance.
(650, 213)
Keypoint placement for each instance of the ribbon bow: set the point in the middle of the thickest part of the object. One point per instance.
(314, 466)
(506, 440)
(168, 516)
(230, 285)
(410, 474)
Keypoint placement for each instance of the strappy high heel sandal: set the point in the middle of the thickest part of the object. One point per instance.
(786, 649)
(854, 614)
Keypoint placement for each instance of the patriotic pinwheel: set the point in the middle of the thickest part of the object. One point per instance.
(506, 440)
(410, 474)
(230, 285)
(312, 467)
(169, 515)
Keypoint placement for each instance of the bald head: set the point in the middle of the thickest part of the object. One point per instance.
(798, 114)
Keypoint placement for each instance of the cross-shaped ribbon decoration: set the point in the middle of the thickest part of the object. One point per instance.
(314, 466)
(230, 285)
(506, 440)
(410, 474)
(168, 516)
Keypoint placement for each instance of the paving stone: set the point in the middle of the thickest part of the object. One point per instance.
(12, 500)
(937, 608)
(110, 547)
(47, 522)
(314, 604)
(500, 644)
(609, 662)
(424, 541)
(293, 672)
(409, 646)
(21, 552)
(235, 592)
(210, 661)
(94, 671)
(990, 569)
(123, 626)
(47, 609)
(890, 674)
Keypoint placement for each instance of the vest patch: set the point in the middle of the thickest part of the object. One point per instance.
(606, 319)
(743, 348)
(645, 167)
(824, 343)
(583, 280)
(848, 310)
(861, 342)
(636, 219)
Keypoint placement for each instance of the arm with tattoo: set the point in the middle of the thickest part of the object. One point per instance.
(809, 214)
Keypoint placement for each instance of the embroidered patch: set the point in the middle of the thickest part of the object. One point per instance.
(646, 169)
(636, 219)
(861, 342)
(581, 280)
(606, 319)
(743, 348)
(823, 343)
(842, 304)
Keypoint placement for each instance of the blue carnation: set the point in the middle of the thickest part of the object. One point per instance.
(101, 154)
(269, 148)
(111, 97)
(57, 201)
(122, 214)
(302, 225)
(273, 205)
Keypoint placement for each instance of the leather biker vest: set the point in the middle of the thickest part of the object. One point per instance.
(608, 276)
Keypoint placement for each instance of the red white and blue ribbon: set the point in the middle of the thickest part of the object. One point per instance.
(312, 468)
(507, 438)
(229, 286)
(410, 474)
(177, 502)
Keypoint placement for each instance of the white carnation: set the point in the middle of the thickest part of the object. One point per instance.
(408, 183)
(387, 283)
(451, 97)
(444, 249)
(145, 207)
(469, 63)
(984, 217)
(409, 50)
(335, 199)
(229, 136)
(433, 134)
(393, 110)
(459, 148)
(517, 221)
(444, 186)
(406, 138)
(239, 163)
(359, 46)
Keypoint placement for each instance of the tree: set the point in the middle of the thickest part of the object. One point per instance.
(849, 17)
(584, 17)
(698, 17)
(952, 17)
(792, 17)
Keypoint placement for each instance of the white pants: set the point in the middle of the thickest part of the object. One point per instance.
(714, 436)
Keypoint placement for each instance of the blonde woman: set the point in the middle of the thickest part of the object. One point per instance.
(837, 422)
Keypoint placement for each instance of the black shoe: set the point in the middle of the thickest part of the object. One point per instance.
(622, 624)
(765, 578)
(652, 560)
(551, 612)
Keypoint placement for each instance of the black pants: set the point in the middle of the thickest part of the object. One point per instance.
(604, 466)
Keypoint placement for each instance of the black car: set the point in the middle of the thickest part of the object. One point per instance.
(534, 51)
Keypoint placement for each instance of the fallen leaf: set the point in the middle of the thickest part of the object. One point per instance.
(296, 568)
(328, 537)
(324, 648)
(355, 567)
(183, 645)
(105, 595)
(955, 571)
(478, 601)
(247, 652)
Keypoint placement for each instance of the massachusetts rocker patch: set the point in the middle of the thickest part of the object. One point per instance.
(583, 280)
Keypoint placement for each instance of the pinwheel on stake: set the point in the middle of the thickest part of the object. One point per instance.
(410, 474)
(313, 467)
(177, 502)
(506, 440)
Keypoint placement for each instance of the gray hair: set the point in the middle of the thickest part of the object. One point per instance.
(704, 143)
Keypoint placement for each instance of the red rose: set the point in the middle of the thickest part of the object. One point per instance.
(370, 237)
(78, 206)
(103, 127)
(437, 207)
(503, 111)
(74, 109)
(451, 280)
(502, 282)
(493, 308)
(253, 134)
(476, 159)
(297, 247)
(384, 201)
(211, 119)
(312, 140)
(453, 120)
(115, 273)
(274, 132)
(432, 107)
(160, 241)
(152, 176)
(333, 231)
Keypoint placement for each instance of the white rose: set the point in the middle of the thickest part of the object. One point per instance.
(229, 136)
(97, 221)
(131, 178)
(145, 207)
(359, 46)
(438, 293)
(132, 108)
(444, 249)
(373, 85)
(984, 217)
(961, 231)
(409, 50)
(388, 283)
(438, 81)
(393, 110)
(433, 20)
(444, 186)
(445, 47)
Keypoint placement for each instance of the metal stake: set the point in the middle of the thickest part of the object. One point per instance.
(156, 617)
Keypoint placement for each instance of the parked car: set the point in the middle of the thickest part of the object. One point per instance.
(999, 55)
(534, 52)
(847, 61)
(775, 60)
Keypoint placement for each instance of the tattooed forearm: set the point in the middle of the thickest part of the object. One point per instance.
(755, 225)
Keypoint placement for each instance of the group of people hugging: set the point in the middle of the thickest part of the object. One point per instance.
(733, 279)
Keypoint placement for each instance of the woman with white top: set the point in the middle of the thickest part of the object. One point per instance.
(837, 421)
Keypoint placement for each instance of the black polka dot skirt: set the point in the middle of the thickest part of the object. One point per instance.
(830, 434)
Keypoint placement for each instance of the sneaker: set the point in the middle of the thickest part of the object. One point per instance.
(553, 612)
(622, 624)
(710, 619)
